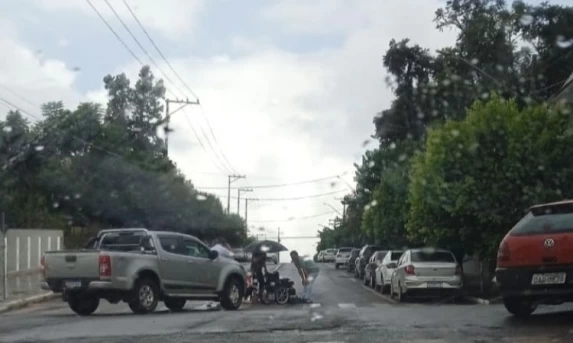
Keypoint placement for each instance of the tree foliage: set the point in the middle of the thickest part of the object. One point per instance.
(445, 144)
(99, 168)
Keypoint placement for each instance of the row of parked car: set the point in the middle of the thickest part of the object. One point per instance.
(401, 273)
(534, 263)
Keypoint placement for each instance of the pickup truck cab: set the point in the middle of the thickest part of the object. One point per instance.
(142, 267)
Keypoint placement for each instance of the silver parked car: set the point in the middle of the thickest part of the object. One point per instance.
(426, 271)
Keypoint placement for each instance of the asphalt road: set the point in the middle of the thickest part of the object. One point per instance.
(344, 311)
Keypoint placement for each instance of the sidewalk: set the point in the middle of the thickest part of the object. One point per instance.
(22, 290)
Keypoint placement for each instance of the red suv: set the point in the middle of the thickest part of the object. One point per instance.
(535, 259)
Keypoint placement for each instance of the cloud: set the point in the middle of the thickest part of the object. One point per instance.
(279, 116)
(174, 18)
(27, 78)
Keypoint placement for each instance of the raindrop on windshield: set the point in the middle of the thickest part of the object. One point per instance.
(563, 43)
(393, 145)
(56, 204)
(201, 197)
(39, 147)
(526, 19)
(455, 133)
(7, 129)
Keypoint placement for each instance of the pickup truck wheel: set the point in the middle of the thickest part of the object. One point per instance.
(175, 304)
(145, 296)
(84, 306)
(232, 295)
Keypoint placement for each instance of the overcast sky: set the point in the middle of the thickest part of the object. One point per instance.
(289, 87)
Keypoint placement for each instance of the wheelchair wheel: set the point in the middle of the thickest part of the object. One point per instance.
(282, 295)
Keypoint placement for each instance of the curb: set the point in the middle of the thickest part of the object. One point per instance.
(20, 303)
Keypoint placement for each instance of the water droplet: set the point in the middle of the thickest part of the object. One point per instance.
(455, 133)
(402, 157)
(446, 82)
(365, 143)
(333, 184)
(77, 195)
(563, 43)
(201, 197)
(526, 19)
(393, 145)
(56, 204)
(541, 168)
(7, 129)
(421, 115)
(39, 147)
(474, 61)
(371, 164)
(484, 95)
(67, 197)
(499, 67)
(373, 203)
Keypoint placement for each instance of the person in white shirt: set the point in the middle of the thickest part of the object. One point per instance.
(223, 248)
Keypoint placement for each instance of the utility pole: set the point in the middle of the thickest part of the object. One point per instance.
(246, 211)
(239, 197)
(168, 114)
(4, 255)
(232, 178)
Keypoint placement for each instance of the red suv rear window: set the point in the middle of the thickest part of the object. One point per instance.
(545, 219)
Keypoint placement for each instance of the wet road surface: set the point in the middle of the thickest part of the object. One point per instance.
(344, 311)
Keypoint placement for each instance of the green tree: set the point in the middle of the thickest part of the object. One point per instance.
(477, 176)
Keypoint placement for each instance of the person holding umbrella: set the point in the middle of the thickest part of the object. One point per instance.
(308, 271)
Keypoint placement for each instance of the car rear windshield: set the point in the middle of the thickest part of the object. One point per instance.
(345, 250)
(396, 255)
(355, 252)
(122, 241)
(433, 256)
(556, 219)
(330, 251)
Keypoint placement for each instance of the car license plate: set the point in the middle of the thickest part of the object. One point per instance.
(548, 279)
(73, 284)
(434, 285)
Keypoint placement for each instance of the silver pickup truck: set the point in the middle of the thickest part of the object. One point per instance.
(141, 268)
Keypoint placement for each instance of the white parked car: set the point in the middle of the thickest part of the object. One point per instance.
(329, 255)
(426, 271)
(342, 256)
(385, 270)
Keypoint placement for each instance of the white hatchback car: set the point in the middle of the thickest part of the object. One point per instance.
(329, 255)
(426, 271)
(342, 256)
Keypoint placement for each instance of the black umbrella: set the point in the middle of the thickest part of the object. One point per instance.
(270, 247)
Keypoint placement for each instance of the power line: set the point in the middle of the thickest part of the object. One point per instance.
(228, 164)
(294, 198)
(157, 48)
(292, 218)
(153, 61)
(141, 46)
(115, 33)
(283, 184)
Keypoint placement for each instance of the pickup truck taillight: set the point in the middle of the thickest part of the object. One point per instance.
(104, 266)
